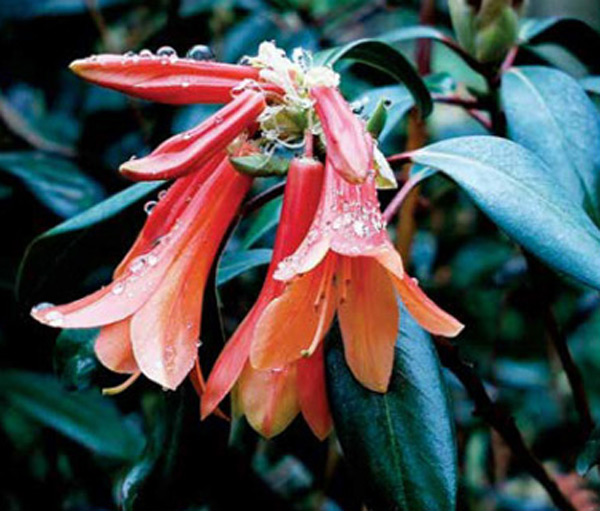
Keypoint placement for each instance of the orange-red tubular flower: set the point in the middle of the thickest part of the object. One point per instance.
(185, 152)
(171, 80)
(271, 399)
(349, 146)
(150, 312)
(346, 262)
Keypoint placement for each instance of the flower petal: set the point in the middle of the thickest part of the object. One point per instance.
(349, 146)
(269, 399)
(294, 323)
(368, 315)
(312, 393)
(113, 348)
(168, 210)
(166, 80)
(300, 200)
(425, 311)
(183, 153)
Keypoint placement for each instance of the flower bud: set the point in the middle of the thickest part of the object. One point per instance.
(487, 29)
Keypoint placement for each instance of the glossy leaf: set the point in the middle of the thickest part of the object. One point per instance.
(74, 357)
(235, 263)
(517, 190)
(574, 35)
(56, 182)
(401, 444)
(535, 97)
(590, 455)
(47, 250)
(262, 222)
(85, 417)
(33, 8)
(384, 58)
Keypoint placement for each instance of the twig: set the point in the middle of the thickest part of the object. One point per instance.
(259, 200)
(499, 420)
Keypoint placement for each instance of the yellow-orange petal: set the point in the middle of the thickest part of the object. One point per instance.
(165, 331)
(312, 394)
(268, 399)
(424, 310)
(368, 318)
(293, 323)
(113, 347)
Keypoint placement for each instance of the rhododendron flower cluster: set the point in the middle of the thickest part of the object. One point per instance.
(332, 253)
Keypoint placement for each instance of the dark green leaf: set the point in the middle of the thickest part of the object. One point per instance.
(86, 417)
(235, 263)
(550, 114)
(262, 222)
(574, 35)
(74, 357)
(591, 84)
(384, 58)
(517, 190)
(590, 456)
(49, 248)
(260, 165)
(56, 182)
(34, 8)
(402, 443)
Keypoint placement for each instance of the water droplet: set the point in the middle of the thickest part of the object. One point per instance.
(149, 206)
(162, 194)
(200, 52)
(41, 306)
(132, 157)
(137, 265)
(152, 260)
(129, 54)
(187, 135)
(166, 51)
(54, 318)
(244, 61)
(118, 288)
(185, 84)
(145, 53)
(218, 119)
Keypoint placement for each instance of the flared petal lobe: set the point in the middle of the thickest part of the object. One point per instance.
(312, 393)
(303, 186)
(113, 348)
(170, 80)
(293, 325)
(269, 399)
(368, 315)
(186, 152)
(424, 310)
(349, 146)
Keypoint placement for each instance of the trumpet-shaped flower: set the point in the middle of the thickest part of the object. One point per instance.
(271, 399)
(150, 312)
(346, 263)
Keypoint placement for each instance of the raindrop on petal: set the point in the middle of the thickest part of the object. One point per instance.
(200, 52)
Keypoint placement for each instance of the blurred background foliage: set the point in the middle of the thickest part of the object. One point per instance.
(61, 140)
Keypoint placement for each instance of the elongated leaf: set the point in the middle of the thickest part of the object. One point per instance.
(550, 114)
(236, 263)
(574, 35)
(591, 84)
(260, 165)
(34, 8)
(47, 250)
(56, 182)
(262, 222)
(74, 357)
(402, 443)
(385, 58)
(590, 455)
(517, 190)
(85, 417)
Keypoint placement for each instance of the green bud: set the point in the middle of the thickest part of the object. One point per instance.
(260, 165)
(487, 29)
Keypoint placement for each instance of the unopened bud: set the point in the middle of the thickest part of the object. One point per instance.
(487, 29)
